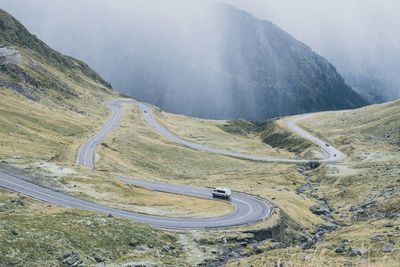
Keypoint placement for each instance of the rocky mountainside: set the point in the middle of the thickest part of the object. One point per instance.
(273, 74)
(359, 199)
(30, 67)
(240, 67)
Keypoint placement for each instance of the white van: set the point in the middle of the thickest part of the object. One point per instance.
(221, 192)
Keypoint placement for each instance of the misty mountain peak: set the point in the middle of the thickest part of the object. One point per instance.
(258, 71)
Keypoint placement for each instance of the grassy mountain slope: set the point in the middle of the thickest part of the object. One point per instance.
(50, 104)
(35, 54)
(161, 159)
(36, 234)
(362, 193)
(371, 139)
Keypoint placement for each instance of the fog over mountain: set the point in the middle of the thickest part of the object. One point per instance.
(360, 37)
(158, 50)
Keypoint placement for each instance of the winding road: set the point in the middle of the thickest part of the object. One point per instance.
(86, 154)
(331, 154)
(248, 208)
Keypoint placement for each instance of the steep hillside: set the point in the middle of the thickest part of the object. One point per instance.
(48, 100)
(371, 139)
(361, 195)
(31, 68)
(272, 74)
(49, 105)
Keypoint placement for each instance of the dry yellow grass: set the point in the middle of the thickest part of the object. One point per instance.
(32, 135)
(31, 132)
(370, 137)
(324, 255)
(136, 150)
(105, 189)
(34, 233)
(295, 257)
(208, 133)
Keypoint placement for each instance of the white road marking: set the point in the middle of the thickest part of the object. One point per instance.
(86, 157)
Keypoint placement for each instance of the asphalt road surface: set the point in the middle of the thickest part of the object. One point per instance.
(331, 154)
(86, 154)
(248, 209)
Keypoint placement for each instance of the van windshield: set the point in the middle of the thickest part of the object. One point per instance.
(220, 191)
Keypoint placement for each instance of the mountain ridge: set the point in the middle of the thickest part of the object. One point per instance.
(300, 79)
(39, 68)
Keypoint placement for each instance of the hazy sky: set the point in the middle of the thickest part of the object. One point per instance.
(358, 36)
(357, 29)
